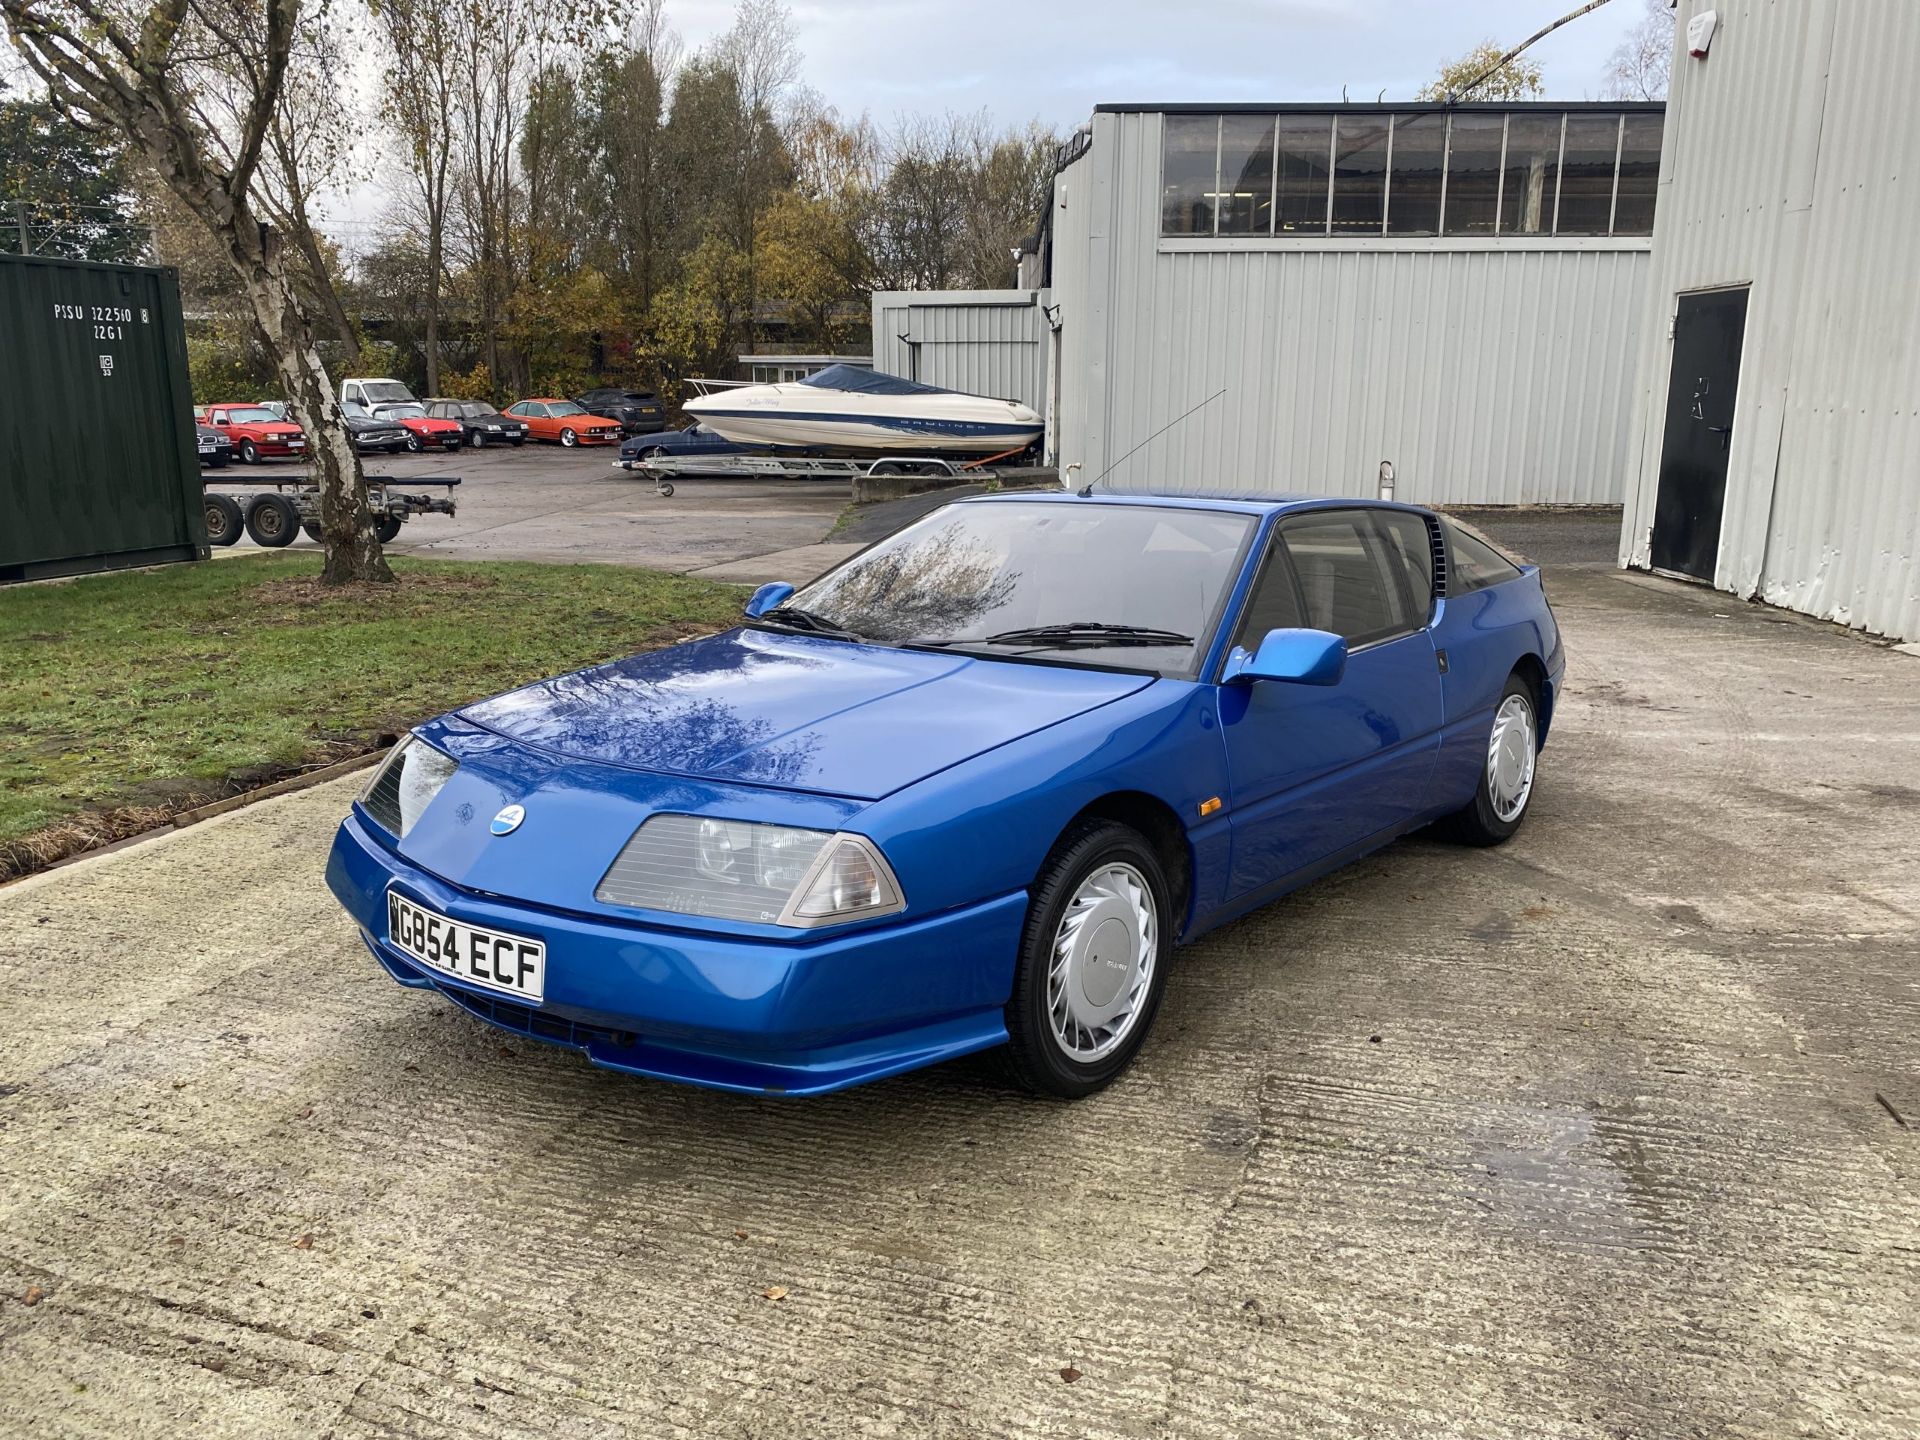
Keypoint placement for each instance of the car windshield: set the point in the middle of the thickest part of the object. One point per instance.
(564, 407)
(1131, 586)
(251, 415)
(476, 410)
(402, 412)
(355, 409)
(379, 390)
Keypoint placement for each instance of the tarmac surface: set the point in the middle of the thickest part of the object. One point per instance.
(1608, 1132)
(540, 502)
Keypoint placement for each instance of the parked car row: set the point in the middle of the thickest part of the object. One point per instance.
(384, 417)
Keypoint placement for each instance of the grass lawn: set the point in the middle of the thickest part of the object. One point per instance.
(127, 698)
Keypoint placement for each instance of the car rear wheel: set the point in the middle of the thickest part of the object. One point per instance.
(249, 453)
(1506, 778)
(223, 520)
(272, 521)
(1092, 963)
(569, 439)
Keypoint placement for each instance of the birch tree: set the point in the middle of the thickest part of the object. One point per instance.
(195, 86)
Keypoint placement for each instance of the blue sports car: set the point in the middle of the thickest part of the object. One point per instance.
(968, 790)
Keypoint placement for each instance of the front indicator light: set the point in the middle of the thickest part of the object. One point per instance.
(749, 871)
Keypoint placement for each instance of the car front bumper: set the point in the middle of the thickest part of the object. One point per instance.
(732, 1013)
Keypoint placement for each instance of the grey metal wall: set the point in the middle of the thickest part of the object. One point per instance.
(1789, 168)
(1493, 371)
(98, 465)
(986, 342)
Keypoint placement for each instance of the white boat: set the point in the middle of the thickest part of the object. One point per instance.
(846, 408)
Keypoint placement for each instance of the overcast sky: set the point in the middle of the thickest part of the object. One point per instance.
(1056, 59)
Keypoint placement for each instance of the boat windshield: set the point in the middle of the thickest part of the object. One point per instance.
(1128, 586)
(869, 382)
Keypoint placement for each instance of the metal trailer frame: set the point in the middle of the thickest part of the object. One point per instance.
(274, 511)
(664, 469)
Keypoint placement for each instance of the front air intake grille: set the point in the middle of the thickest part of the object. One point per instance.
(535, 1023)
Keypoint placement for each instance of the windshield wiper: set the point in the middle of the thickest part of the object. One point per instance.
(1083, 632)
(795, 618)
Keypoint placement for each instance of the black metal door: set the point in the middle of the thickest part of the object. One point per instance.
(1707, 334)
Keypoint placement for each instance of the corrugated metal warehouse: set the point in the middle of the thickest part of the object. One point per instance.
(1458, 291)
(1777, 435)
(986, 342)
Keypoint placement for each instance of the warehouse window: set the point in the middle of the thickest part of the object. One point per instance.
(1528, 171)
(1246, 175)
(1473, 173)
(1305, 151)
(1188, 166)
(1414, 174)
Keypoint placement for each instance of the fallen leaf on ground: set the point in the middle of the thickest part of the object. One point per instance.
(739, 1234)
(305, 1114)
(1069, 1374)
(305, 1242)
(775, 1292)
(35, 1295)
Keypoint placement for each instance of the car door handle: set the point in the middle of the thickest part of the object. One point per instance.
(1441, 656)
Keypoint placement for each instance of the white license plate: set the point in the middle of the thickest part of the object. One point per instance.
(512, 964)
(296, 444)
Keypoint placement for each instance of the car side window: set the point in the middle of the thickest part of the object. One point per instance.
(1410, 551)
(1472, 565)
(1274, 603)
(1346, 583)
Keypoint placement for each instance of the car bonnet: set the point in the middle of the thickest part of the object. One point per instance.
(796, 712)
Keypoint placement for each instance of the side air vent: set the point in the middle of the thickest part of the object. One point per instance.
(1439, 544)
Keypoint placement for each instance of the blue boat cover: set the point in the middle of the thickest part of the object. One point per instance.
(869, 382)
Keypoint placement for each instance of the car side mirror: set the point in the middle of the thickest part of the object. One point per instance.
(1299, 657)
(769, 595)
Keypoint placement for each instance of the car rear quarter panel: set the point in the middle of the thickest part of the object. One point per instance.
(1487, 634)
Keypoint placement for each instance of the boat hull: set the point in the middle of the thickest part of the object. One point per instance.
(804, 417)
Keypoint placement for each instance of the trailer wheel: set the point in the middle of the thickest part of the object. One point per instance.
(272, 521)
(887, 467)
(223, 520)
(664, 489)
(386, 528)
(312, 531)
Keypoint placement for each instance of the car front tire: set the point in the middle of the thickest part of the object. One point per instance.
(1092, 964)
(477, 439)
(249, 453)
(1505, 792)
(413, 444)
(569, 439)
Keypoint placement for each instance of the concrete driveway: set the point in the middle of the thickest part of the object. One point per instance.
(541, 502)
(1593, 1135)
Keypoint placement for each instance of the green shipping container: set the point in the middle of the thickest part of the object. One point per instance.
(99, 468)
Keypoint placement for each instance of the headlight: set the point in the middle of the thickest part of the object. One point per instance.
(405, 784)
(743, 870)
(494, 428)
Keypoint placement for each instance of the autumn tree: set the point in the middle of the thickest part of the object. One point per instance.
(1642, 63)
(195, 87)
(1479, 75)
(68, 186)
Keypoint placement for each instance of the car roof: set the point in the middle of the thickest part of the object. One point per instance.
(1221, 500)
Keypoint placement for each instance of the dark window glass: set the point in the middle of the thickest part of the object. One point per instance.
(1187, 155)
(970, 572)
(1274, 604)
(1344, 579)
(1246, 174)
(1359, 175)
(1410, 549)
(1586, 175)
(1472, 564)
(1639, 175)
(1413, 191)
(1306, 144)
(1532, 175)
(1473, 174)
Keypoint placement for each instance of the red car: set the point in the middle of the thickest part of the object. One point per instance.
(424, 432)
(566, 422)
(257, 432)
